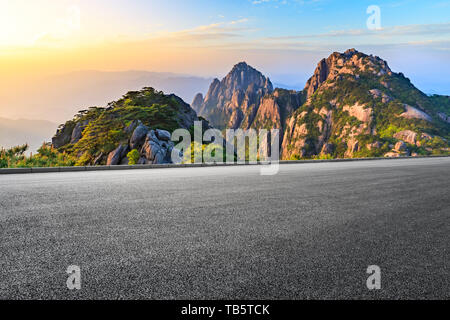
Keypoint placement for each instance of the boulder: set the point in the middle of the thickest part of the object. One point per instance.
(77, 132)
(163, 135)
(160, 157)
(378, 94)
(360, 112)
(150, 149)
(157, 151)
(352, 147)
(137, 139)
(116, 156)
(392, 155)
(414, 113)
(426, 136)
(132, 126)
(375, 145)
(151, 136)
(400, 146)
(407, 136)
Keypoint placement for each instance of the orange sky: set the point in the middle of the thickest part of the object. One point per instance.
(282, 39)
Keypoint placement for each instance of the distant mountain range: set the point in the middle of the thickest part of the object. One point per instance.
(58, 97)
(18, 132)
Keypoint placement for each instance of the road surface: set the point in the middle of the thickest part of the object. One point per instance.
(309, 232)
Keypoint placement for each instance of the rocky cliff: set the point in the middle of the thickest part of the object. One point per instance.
(140, 121)
(358, 107)
(354, 105)
(234, 101)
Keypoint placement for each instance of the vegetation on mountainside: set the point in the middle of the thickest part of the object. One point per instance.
(198, 153)
(47, 156)
(441, 103)
(357, 112)
(349, 90)
(106, 127)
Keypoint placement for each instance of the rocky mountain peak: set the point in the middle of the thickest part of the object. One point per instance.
(350, 62)
(241, 66)
(242, 76)
(350, 52)
(235, 97)
(197, 102)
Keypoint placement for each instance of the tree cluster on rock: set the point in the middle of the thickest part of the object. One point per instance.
(140, 121)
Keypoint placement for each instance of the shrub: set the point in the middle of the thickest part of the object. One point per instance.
(133, 157)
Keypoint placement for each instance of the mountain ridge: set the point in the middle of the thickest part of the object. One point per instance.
(19, 131)
(352, 105)
(234, 100)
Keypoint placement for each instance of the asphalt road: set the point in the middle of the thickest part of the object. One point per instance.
(309, 232)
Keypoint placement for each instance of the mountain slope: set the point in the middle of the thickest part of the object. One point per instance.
(234, 101)
(139, 121)
(354, 105)
(358, 107)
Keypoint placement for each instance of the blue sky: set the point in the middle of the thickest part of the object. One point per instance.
(283, 38)
(281, 16)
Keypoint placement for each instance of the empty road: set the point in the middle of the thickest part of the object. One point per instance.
(309, 232)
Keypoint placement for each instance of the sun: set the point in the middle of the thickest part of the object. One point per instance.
(25, 23)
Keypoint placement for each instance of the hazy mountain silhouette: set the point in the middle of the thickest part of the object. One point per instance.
(57, 98)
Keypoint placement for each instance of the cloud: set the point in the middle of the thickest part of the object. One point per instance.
(215, 31)
(408, 30)
(443, 4)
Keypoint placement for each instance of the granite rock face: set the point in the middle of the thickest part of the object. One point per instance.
(407, 136)
(63, 136)
(414, 113)
(139, 134)
(116, 156)
(77, 132)
(339, 64)
(235, 99)
(353, 105)
(197, 102)
(155, 147)
(357, 104)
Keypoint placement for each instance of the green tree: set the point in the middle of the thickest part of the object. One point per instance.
(133, 157)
